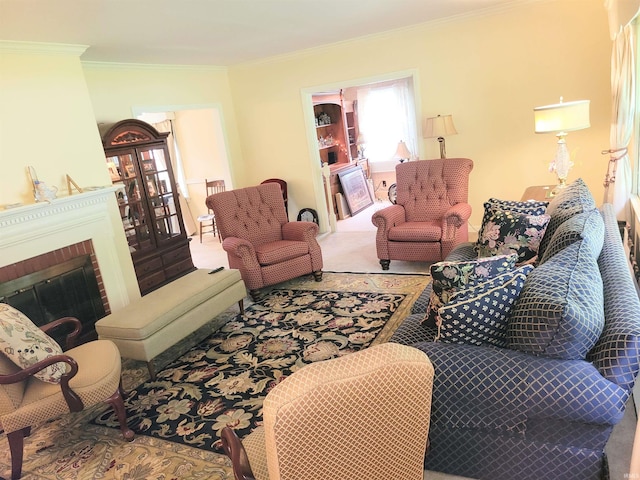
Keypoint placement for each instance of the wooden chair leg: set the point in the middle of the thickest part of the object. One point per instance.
(235, 451)
(241, 305)
(200, 232)
(117, 403)
(16, 446)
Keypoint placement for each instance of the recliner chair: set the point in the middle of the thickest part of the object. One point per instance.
(431, 212)
(259, 239)
(364, 415)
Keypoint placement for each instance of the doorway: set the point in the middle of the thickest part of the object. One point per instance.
(198, 152)
(380, 172)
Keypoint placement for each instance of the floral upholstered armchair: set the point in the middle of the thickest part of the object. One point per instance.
(259, 239)
(431, 212)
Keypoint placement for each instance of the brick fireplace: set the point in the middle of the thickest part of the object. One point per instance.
(38, 236)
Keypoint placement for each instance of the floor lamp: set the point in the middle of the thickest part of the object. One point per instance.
(439, 127)
(561, 118)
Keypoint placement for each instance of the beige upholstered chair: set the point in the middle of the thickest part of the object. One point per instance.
(92, 376)
(362, 416)
(259, 239)
(431, 211)
(212, 186)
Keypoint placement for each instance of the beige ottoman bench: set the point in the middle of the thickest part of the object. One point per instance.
(147, 327)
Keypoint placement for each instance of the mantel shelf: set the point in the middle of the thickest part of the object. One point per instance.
(325, 125)
(324, 147)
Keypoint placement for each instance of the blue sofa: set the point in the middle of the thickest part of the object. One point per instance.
(505, 413)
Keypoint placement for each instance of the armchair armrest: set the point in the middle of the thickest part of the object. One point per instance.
(72, 337)
(240, 248)
(299, 231)
(235, 451)
(388, 217)
(454, 218)
(73, 400)
(489, 387)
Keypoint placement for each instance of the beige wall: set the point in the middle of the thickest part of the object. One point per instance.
(489, 72)
(203, 151)
(46, 121)
(117, 90)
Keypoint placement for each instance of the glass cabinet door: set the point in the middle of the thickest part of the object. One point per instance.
(162, 198)
(134, 217)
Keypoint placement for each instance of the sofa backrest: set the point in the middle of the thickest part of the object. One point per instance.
(428, 188)
(255, 213)
(617, 353)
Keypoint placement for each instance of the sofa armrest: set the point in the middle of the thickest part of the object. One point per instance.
(497, 388)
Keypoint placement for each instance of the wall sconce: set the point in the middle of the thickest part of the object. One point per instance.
(402, 152)
(561, 118)
(439, 127)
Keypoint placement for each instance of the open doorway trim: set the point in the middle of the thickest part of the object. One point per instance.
(307, 94)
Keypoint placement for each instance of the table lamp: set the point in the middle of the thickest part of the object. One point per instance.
(402, 152)
(561, 118)
(439, 127)
(360, 142)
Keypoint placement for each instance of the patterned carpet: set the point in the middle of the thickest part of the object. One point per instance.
(220, 380)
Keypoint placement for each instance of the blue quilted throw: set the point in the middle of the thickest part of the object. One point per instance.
(223, 380)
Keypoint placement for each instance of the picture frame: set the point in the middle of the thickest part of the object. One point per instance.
(355, 189)
(131, 172)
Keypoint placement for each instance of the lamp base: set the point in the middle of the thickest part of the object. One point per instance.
(562, 184)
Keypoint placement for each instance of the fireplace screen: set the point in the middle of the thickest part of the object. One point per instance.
(68, 289)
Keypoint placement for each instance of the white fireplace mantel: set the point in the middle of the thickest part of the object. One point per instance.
(31, 230)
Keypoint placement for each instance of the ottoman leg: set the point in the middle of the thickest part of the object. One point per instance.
(152, 370)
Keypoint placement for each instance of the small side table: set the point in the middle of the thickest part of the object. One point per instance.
(538, 192)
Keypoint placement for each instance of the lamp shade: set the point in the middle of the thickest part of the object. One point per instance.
(439, 126)
(402, 152)
(562, 117)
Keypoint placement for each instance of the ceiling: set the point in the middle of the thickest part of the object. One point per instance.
(214, 32)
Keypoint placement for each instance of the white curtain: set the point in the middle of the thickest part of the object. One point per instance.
(619, 179)
(386, 115)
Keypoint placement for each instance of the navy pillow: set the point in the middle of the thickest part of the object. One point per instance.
(478, 315)
(575, 198)
(507, 232)
(560, 310)
(447, 277)
(588, 226)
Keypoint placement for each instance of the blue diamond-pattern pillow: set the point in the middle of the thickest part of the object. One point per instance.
(560, 310)
(478, 315)
(575, 198)
(587, 226)
(446, 277)
(506, 231)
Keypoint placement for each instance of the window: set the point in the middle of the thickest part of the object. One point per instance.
(386, 115)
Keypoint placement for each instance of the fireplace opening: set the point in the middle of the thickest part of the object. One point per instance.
(67, 289)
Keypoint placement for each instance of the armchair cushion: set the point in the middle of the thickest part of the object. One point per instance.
(25, 344)
(507, 231)
(416, 232)
(560, 311)
(478, 315)
(447, 277)
(280, 251)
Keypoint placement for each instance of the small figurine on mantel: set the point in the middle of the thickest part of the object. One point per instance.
(41, 192)
(44, 193)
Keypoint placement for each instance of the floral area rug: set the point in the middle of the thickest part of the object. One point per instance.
(221, 381)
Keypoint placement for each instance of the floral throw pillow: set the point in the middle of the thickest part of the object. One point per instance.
(479, 315)
(506, 232)
(448, 277)
(25, 344)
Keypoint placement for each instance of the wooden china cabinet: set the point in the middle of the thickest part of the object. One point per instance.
(138, 161)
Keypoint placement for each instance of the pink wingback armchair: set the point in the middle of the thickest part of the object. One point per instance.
(431, 211)
(259, 239)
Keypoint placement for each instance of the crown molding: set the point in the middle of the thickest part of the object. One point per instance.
(40, 48)
(151, 66)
